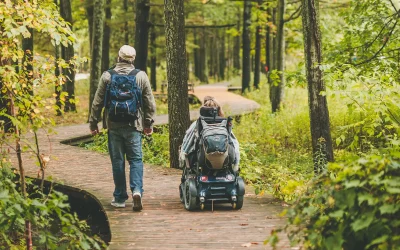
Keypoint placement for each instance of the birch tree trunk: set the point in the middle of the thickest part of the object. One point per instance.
(319, 114)
(178, 105)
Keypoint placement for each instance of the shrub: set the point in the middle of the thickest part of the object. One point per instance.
(356, 206)
(53, 225)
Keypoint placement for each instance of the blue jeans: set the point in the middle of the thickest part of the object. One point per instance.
(126, 141)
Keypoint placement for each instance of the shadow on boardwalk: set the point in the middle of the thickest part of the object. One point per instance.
(164, 223)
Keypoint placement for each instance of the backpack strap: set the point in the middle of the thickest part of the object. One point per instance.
(112, 72)
(134, 72)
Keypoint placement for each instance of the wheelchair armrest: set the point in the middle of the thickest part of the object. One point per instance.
(187, 162)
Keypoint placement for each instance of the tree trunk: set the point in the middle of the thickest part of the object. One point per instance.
(97, 48)
(105, 64)
(246, 59)
(203, 58)
(222, 57)
(57, 84)
(196, 56)
(5, 107)
(27, 67)
(178, 105)
(5, 122)
(89, 14)
(210, 48)
(236, 46)
(142, 33)
(276, 90)
(257, 58)
(126, 27)
(153, 59)
(268, 45)
(319, 114)
(67, 53)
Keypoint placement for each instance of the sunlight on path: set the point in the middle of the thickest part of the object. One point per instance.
(233, 104)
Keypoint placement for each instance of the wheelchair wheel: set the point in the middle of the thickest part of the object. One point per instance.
(239, 202)
(190, 195)
(181, 193)
(241, 192)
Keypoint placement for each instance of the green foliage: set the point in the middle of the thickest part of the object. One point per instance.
(155, 147)
(53, 225)
(275, 148)
(356, 206)
(18, 19)
(372, 99)
(320, 157)
(162, 106)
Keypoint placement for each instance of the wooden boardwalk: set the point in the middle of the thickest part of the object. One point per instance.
(163, 223)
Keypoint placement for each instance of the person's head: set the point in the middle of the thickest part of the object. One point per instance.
(210, 101)
(126, 54)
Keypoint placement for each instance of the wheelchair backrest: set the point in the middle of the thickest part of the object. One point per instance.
(215, 147)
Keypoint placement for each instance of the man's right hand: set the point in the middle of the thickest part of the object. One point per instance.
(95, 131)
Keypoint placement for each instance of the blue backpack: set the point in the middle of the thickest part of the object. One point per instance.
(123, 97)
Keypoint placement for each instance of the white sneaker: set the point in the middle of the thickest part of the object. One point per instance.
(137, 201)
(117, 204)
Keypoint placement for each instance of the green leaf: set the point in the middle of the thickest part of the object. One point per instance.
(345, 198)
(393, 190)
(362, 223)
(366, 197)
(38, 204)
(337, 214)
(334, 242)
(352, 183)
(4, 195)
(379, 240)
(389, 208)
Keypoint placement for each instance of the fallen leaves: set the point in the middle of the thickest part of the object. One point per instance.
(249, 244)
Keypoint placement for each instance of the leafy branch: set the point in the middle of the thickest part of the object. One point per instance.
(380, 49)
(296, 14)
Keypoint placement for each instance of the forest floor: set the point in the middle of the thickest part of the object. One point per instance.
(164, 223)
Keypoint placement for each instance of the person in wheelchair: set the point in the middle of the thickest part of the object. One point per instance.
(188, 147)
(209, 157)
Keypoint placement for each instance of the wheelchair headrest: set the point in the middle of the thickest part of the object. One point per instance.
(209, 111)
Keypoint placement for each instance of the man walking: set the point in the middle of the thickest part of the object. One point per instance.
(126, 94)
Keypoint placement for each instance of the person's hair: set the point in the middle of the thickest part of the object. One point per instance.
(210, 101)
(120, 60)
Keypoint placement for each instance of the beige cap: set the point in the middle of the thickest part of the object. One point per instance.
(127, 53)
